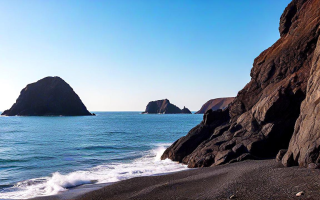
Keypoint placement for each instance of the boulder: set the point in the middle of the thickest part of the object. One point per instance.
(187, 144)
(50, 96)
(280, 154)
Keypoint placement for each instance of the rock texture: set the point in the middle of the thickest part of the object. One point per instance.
(164, 107)
(50, 96)
(261, 120)
(215, 104)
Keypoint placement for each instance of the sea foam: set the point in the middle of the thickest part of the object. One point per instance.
(148, 165)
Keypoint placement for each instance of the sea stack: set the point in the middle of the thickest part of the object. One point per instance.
(164, 107)
(215, 104)
(50, 96)
(280, 105)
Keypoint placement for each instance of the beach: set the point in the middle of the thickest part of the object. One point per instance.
(252, 179)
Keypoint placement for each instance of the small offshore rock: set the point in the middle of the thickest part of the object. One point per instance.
(186, 111)
(164, 107)
(300, 194)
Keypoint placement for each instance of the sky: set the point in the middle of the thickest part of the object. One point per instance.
(118, 55)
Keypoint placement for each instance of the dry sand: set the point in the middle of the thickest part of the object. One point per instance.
(264, 179)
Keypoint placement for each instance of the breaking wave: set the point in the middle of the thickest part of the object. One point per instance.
(148, 165)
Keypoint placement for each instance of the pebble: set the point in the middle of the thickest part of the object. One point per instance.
(299, 194)
(313, 166)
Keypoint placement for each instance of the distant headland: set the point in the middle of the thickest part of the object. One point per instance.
(215, 104)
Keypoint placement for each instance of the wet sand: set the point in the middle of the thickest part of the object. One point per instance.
(264, 179)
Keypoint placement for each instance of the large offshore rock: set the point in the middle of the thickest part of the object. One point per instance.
(262, 117)
(50, 96)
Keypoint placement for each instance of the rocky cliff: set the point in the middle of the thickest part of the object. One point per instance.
(263, 117)
(215, 104)
(50, 96)
(164, 107)
(304, 147)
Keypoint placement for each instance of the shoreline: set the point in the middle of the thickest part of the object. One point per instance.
(252, 179)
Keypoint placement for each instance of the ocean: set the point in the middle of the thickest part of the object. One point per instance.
(42, 156)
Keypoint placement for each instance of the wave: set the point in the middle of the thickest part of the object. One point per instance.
(12, 160)
(110, 147)
(148, 165)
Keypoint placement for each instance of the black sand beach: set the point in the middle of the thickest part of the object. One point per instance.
(266, 179)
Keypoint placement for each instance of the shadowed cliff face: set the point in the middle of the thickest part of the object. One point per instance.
(304, 146)
(49, 96)
(262, 117)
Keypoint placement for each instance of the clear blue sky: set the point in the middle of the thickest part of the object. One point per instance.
(120, 54)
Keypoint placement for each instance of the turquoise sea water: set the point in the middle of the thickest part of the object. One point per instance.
(47, 155)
